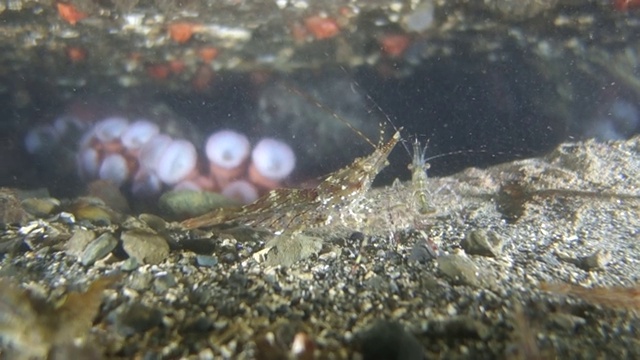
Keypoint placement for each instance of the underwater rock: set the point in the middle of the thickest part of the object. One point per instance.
(11, 211)
(146, 247)
(287, 249)
(78, 242)
(245, 308)
(182, 204)
(40, 207)
(422, 252)
(93, 210)
(595, 261)
(98, 249)
(482, 242)
(459, 269)
(130, 319)
(457, 327)
(163, 282)
(389, 340)
(206, 260)
(153, 221)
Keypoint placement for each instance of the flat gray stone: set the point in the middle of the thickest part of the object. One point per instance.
(459, 270)
(482, 242)
(78, 242)
(40, 207)
(285, 250)
(146, 247)
(98, 249)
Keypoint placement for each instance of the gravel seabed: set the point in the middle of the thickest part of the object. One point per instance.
(462, 282)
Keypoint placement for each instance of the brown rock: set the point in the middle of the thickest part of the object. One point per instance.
(11, 212)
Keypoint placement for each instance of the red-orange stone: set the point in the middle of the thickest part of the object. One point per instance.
(321, 27)
(76, 54)
(69, 13)
(158, 71)
(624, 5)
(181, 32)
(394, 45)
(208, 54)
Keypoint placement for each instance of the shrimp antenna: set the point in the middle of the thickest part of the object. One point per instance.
(371, 100)
(312, 100)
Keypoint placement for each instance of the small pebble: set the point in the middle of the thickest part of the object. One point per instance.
(40, 207)
(206, 260)
(206, 354)
(422, 252)
(153, 221)
(140, 281)
(163, 283)
(98, 249)
(482, 242)
(92, 213)
(287, 250)
(389, 340)
(129, 264)
(78, 242)
(566, 322)
(595, 261)
(136, 318)
(356, 236)
(458, 269)
(11, 212)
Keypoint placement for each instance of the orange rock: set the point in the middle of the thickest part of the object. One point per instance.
(624, 5)
(158, 71)
(208, 54)
(176, 66)
(202, 78)
(394, 45)
(76, 54)
(181, 32)
(69, 13)
(322, 27)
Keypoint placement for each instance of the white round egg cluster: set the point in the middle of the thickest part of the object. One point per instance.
(137, 154)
